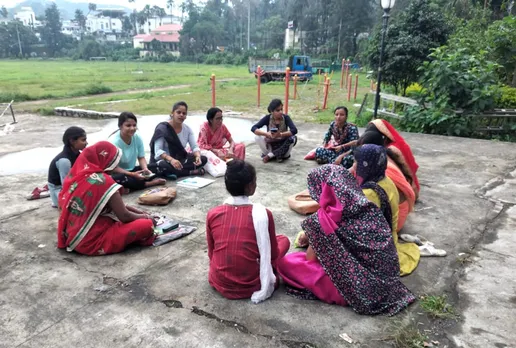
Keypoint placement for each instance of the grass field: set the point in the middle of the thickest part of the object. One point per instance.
(76, 83)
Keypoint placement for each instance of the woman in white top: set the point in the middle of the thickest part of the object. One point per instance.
(168, 147)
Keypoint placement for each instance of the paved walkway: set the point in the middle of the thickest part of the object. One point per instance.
(160, 297)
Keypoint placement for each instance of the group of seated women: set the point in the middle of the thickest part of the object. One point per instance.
(353, 256)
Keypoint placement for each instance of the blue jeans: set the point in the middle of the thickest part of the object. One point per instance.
(54, 193)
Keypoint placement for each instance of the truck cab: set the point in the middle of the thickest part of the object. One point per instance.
(299, 63)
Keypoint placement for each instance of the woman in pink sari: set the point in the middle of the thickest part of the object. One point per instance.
(215, 137)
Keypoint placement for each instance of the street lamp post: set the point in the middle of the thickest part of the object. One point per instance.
(387, 6)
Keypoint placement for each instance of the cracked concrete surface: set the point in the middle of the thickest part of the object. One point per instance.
(160, 297)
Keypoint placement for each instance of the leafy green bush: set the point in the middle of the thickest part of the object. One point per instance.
(455, 84)
(97, 89)
(507, 98)
(213, 58)
(414, 90)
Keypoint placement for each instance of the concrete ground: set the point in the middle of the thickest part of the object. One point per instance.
(160, 297)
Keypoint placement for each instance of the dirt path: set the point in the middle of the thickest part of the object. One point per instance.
(131, 91)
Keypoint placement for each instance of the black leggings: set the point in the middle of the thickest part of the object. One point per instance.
(128, 181)
(164, 169)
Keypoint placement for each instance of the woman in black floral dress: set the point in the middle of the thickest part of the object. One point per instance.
(339, 141)
(351, 259)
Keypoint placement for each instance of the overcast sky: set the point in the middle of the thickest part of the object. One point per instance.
(139, 4)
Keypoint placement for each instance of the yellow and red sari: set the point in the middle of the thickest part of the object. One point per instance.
(85, 224)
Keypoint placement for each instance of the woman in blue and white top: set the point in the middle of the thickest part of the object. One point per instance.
(168, 146)
(128, 174)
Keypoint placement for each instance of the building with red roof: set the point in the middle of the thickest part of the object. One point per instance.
(164, 38)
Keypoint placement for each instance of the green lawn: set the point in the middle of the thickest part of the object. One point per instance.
(65, 78)
(68, 80)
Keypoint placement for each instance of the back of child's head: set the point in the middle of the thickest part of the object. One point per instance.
(239, 174)
(72, 133)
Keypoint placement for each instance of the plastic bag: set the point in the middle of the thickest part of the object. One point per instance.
(215, 166)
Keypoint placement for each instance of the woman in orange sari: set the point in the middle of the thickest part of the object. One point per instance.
(215, 137)
(398, 172)
(94, 220)
(400, 150)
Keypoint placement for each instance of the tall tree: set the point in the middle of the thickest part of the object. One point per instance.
(147, 14)
(127, 25)
(170, 6)
(9, 46)
(158, 12)
(409, 41)
(92, 7)
(4, 12)
(80, 19)
(51, 32)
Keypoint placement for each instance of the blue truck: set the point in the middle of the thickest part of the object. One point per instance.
(274, 69)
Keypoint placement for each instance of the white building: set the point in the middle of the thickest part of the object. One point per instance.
(156, 22)
(293, 39)
(27, 16)
(96, 22)
(71, 28)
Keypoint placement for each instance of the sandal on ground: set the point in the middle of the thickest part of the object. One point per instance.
(39, 192)
(409, 238)
(199, 172)
(430, 250)
(424, 240)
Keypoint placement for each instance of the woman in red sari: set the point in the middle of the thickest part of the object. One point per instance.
(94, 219)
(215, 137)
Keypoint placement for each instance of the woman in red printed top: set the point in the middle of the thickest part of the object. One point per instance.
(242, 244)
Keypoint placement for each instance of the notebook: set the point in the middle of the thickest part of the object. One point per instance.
(194, 182)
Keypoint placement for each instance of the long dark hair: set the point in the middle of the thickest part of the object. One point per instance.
(71, 134)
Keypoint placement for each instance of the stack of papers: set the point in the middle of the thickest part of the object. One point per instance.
(194, 182)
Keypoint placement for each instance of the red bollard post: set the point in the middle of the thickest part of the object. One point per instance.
(295, 86)
(350, 83)
(326, 92)
(259, 78)
(347, 73)
(356, 88)
(287, 85)
(342, 73)
(213, 102)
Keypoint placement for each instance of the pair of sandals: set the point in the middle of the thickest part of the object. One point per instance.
(426, 248)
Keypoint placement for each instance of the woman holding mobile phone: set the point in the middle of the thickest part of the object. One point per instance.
(280, 137)
(127, 174)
